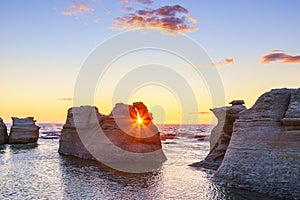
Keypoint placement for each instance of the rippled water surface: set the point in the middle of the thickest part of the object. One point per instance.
(39, 172)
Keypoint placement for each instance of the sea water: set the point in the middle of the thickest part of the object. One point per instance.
(39, 172)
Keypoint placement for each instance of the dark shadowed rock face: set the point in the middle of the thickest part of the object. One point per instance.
(221, 134)
(106, 138)
(264, 151)
(3, 132)
(23, 131)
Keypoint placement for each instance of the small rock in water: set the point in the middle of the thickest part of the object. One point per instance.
(23, 131)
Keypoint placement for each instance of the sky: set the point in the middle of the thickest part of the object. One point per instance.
(253, 45)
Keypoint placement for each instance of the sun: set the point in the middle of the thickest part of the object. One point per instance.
(139, 119)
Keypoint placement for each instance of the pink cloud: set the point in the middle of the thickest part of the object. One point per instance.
(169, 18)
(108, 11)
(226, 61)
(281, 57)
(126, 9)
(77, 9)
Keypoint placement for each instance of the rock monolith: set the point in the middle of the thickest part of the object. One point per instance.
(264, 150)
(23, 130)
(122, 140)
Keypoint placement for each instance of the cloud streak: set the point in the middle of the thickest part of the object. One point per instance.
(200, 113)
(127, 9)
(172, 19)
(65, 99)
(226, 61)
(143, 2)
(77, 9)
(281, 57)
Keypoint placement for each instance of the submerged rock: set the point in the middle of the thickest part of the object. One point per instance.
(264, 150)
(3, 132)
(125, 139)
(23, 130)
(221, 134)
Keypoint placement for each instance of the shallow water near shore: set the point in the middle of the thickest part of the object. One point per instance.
(39, 172)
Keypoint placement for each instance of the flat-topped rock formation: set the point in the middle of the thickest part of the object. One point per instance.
(3, 132)
(23, 130)
(126, 135)
(221, 134)
(130, 134)
(264, 150)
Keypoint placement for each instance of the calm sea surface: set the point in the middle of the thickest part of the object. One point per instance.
(39, 172)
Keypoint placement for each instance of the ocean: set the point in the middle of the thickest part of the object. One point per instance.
(39, 172)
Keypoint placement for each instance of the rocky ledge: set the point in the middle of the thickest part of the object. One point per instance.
(264, 151)
(23, 131)
(221, 134)
(127, 135)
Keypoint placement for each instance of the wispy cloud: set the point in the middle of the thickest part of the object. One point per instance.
(169, 18)
(226, 61)
(127, 9)
(65, 99)
(97, 20)
(281, 57)
(276, 51)
(200, 113)
(144, 2)
(108, 11)
(77, 9)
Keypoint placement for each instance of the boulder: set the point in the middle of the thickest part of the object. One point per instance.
(264, 150)
(3, 132)
(23, 130)
(221, 134)
(126, 135)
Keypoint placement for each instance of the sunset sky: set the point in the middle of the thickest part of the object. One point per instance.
(254, 45)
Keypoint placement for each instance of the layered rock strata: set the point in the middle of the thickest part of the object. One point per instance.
(264, 151)
(221, 134)
(126, 135)
(23, 130)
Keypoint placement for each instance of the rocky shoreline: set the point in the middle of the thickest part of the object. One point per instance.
(221, 134)
(256, 149)
(263, 152)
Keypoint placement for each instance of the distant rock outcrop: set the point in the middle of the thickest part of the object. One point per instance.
(221, 134)
(23, 130)
(264, 151)
(3, 132)
(127, 134)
